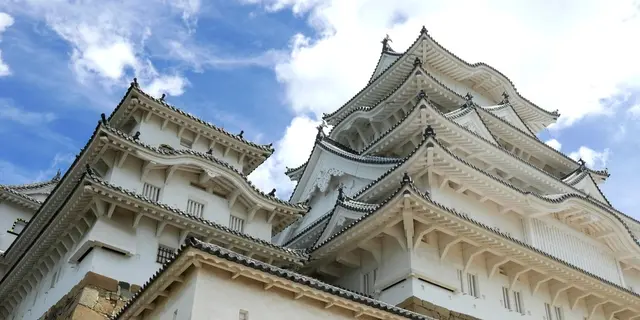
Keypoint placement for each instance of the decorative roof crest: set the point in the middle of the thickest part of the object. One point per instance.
(320, 133)
(505, 98)
(241, 134)
(417, 62)
(341, 192)
(385, 44)
(134, 83)
(422, 94)
(162, 97)
(424, 30)
(429, 132)
(57, 176)
(272, 193)
(136, 136)
(406, 179)
(469, 100)
(103, 118)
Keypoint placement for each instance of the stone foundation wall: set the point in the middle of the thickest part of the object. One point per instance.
(95, 298)
(429, 309)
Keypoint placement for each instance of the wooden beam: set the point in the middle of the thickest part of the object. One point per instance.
(593, 303)
(111, 209)
(535, 280)
(233, 197)
(407, 223)
(169, 173)
(610, 309)
(165, 121)
(493, 263)
(272, 215)
(397, 232)
(136, 219)
(468, 254)
(421, 230)
(348, 259)
(122, 157)
(373, 246)
(515, 273)
(252, 212)
(445, 243)
(146, 167)
(159, 227)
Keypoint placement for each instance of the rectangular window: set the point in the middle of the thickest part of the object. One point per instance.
(368, 281)
(186, 143)
(195, 208)
(517, 299)
(243, 315)
(472, 284)
(164, 254)
(547, 311)
(236, 223)
(151, 192)
(461, 281)
(559, 313)
(506, 303)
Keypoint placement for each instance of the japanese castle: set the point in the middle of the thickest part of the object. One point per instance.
(427, 195)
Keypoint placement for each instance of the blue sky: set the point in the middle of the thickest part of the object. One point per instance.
(271, 67)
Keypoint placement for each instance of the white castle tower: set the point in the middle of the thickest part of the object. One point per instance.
(430, 198)
(433, 191)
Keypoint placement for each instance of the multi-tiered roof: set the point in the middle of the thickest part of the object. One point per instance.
(411, 122)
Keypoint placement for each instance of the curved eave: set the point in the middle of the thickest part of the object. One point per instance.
(136, 98)
(326, 144)
(384, 61)
(498, 184)
(523, 105)
(526, 109)
(403, 59)
(434, 89)
(495, 109)
(587, 175)
(230, 172)
(112, 191)
(34, 185)
(569, 163)
(408, 190)
(19, 198)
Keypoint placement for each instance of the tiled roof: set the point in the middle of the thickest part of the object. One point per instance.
(140, 197)
(166, 151)
(36, 185)
(134, 86)
(407, 187)
(19, 194)
(282, 273)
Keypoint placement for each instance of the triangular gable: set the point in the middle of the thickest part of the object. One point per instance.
(386, 60)
(329, 160)
(585, 183)
(344, 214)
(472, 122)
(508, 114)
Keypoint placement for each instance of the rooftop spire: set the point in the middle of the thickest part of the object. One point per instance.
(429, 132)
(385, 44)
(320, 128)
(57, 176)
(406, 179)
(469, 100)
(505, 98)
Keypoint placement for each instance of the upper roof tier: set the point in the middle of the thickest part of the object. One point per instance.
(483, 79)
(135, 100)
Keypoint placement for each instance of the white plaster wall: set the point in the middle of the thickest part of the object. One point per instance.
(217, 297)
(151, 133)
(486, 212)
(180, 305)
(178, 191)
(9, 212)
(567, 244)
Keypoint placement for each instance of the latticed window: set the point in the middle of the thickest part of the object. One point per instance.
(236, 223)
(506, 302)
(547, 311)
(164, 254)
(151, 192)
(559, 313)
(472, 283)
(195, 208)
(517, 299)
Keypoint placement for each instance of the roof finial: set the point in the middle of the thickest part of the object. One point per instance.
(241, 134)
(406, 179)
(272, 193)
(270, 145)
(162, 97)
(210, 151)
(424, 30)
(103, 117)
(505, 98)
(135, 82)
(422, 94)
(385, 44)
(320, 133)
(88, 168)
(417, 62)
(341, 193)
(469, 100)
(136, 136)
(57, 176)
(583, 164)
(429, 132)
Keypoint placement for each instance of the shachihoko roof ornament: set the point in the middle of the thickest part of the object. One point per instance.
(505, 98)
(469, 100)
(385, 44)
(429, 132)
(320, 133)
(422, 94)
(417, 62)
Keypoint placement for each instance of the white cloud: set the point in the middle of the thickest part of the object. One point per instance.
(172, 85)
(5, 21)
(564, 57)
(594, 159)
(291, 151)
(111, 42)
(553, 143)
(634, 111)
(24, 117)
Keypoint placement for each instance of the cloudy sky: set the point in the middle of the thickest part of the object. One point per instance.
(272, 67)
